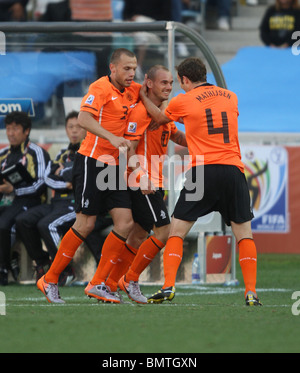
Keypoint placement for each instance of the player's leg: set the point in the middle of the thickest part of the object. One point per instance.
(125, 260)
(114, 243)
(135, 238)
(174, 249)
(145, 255)
(247, 259)
(149, 213)
(87, 201)
(55, 224)
(185, 214)
(237, 211)
(69, 244)
(52, 228)
(111, 251)
(147, 252)
(115, 200)
(172, 259)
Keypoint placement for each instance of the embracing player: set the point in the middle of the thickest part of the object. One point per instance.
(210, 116)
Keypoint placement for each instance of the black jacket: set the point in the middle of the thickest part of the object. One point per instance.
(34, 159)
(277, 26)
(58, 183)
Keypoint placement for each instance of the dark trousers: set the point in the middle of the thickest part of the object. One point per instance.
(8, 216)
(47, 222)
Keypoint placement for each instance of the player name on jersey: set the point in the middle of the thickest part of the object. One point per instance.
(213, 93)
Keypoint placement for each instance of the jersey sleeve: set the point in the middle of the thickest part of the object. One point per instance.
(137, 124)
(93, 101)
(175, 109)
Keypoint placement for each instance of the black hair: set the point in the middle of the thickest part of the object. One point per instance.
(72, 114)
(18, 117)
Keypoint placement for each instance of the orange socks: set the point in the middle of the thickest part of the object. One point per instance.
(111, 250)
(68, 246)
(172, 259)
(248, 263)
(124, 262)
(146, 253)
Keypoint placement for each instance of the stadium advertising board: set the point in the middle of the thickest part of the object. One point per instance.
(266, 170)
(7, 105)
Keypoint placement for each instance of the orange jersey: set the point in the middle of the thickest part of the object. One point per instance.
(153, 145)
(110, 107)
(210, 116)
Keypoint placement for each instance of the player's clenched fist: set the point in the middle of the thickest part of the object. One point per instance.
(120, 143)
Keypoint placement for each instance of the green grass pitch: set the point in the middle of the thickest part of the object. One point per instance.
(201, 318)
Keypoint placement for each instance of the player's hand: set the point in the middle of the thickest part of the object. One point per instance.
(153, 126)
(120, 143)
(146, 185)
(143, 89)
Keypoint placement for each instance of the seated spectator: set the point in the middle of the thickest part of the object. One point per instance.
(20, 190)
(13, 10)
(56, 11)
(51, 10)
(279, 22)
(223, 13)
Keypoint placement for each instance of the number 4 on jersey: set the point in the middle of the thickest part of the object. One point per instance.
(224, 129)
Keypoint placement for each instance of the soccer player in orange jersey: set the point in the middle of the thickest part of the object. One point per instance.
(210, 116)
(146, 157)
(103, 113)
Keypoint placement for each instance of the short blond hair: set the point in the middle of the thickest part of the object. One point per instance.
(117, 53)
